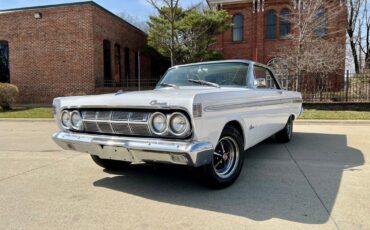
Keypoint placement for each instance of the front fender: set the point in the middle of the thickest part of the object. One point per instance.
(209, 127)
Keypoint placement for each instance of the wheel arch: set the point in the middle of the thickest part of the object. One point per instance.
(237, 125)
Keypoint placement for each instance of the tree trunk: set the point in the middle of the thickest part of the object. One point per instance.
(172, 33)
(354, 52)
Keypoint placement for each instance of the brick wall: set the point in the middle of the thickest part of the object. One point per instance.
(51, 56)
(62, 53)
(258, 48)
(113, 29)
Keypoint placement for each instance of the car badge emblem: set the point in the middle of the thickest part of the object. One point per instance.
(156, 103)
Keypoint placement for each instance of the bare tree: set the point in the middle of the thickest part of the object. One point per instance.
(365, 45)
(315, 49)
(354, 7)
(172, 5)
(358, 30)
(135, 21)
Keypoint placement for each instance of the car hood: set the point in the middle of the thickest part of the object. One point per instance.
(164, 97)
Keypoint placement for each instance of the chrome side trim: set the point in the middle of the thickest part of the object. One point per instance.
(125, 107)
(213, 108)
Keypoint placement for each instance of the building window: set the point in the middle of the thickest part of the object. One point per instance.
(238, 28)
(271, 24)
(107, 61)
(117, 61)
(4, 62)
(321, 23)
(284, 23)
(127, 64)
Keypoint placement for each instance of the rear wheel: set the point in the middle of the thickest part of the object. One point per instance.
(285, 135)
(111, 165)
(227, 160)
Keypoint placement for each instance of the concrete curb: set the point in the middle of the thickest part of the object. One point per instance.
(341, 122)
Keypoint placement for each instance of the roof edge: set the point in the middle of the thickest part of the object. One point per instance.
(73, 4)
(47, 6)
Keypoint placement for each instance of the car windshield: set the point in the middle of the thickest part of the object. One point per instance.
(211, 74)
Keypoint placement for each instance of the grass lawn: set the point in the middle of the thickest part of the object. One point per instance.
(335, 115)
(28, 113)
(308, 114)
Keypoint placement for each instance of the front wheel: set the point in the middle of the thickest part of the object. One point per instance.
(110, 165)
(227, 160)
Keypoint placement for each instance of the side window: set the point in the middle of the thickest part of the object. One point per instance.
(263, 79)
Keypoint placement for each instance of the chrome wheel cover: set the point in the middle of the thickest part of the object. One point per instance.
(226, 157)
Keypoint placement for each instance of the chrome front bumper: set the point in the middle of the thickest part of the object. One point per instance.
(137, 149)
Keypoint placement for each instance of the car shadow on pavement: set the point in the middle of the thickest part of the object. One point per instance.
(298, 181)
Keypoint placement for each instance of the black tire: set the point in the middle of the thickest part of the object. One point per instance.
(285, 135)
(111, 165)
(217, 177)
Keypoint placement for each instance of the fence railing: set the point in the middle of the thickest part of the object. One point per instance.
(351, 88)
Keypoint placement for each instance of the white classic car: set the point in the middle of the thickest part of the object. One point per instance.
(203, 115)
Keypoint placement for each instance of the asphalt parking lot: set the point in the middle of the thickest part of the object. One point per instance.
(319, 180)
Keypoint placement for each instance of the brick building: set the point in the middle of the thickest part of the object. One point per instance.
(71, 49)
(259, 30)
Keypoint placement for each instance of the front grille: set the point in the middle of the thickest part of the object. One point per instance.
(116, 122)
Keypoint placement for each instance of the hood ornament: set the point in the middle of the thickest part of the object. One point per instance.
(156, 103)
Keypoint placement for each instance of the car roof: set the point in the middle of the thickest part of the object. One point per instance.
(246, 61)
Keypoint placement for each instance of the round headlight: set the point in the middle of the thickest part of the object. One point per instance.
(76, 120)
(158, 123)
(179, 124)
(66, 119)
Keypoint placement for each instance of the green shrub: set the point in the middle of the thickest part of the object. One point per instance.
(8, 95)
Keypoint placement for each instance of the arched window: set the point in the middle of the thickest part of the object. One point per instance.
(284, 23)
(270, 24)
(238, 28)
(4, 62)
(321, 23)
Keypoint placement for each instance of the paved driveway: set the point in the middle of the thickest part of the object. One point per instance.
(319, 180)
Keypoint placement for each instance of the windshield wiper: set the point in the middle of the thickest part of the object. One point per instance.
(203, 82)
(169, 85)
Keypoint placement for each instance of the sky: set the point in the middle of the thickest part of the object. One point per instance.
(139, 9)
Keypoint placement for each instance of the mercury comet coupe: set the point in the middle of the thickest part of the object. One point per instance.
(203, 115)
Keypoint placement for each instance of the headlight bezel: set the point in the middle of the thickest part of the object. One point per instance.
(69, 124)
(185, 132)
(151, 125)
(74, 126)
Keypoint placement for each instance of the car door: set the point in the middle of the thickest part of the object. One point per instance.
(268, 103)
